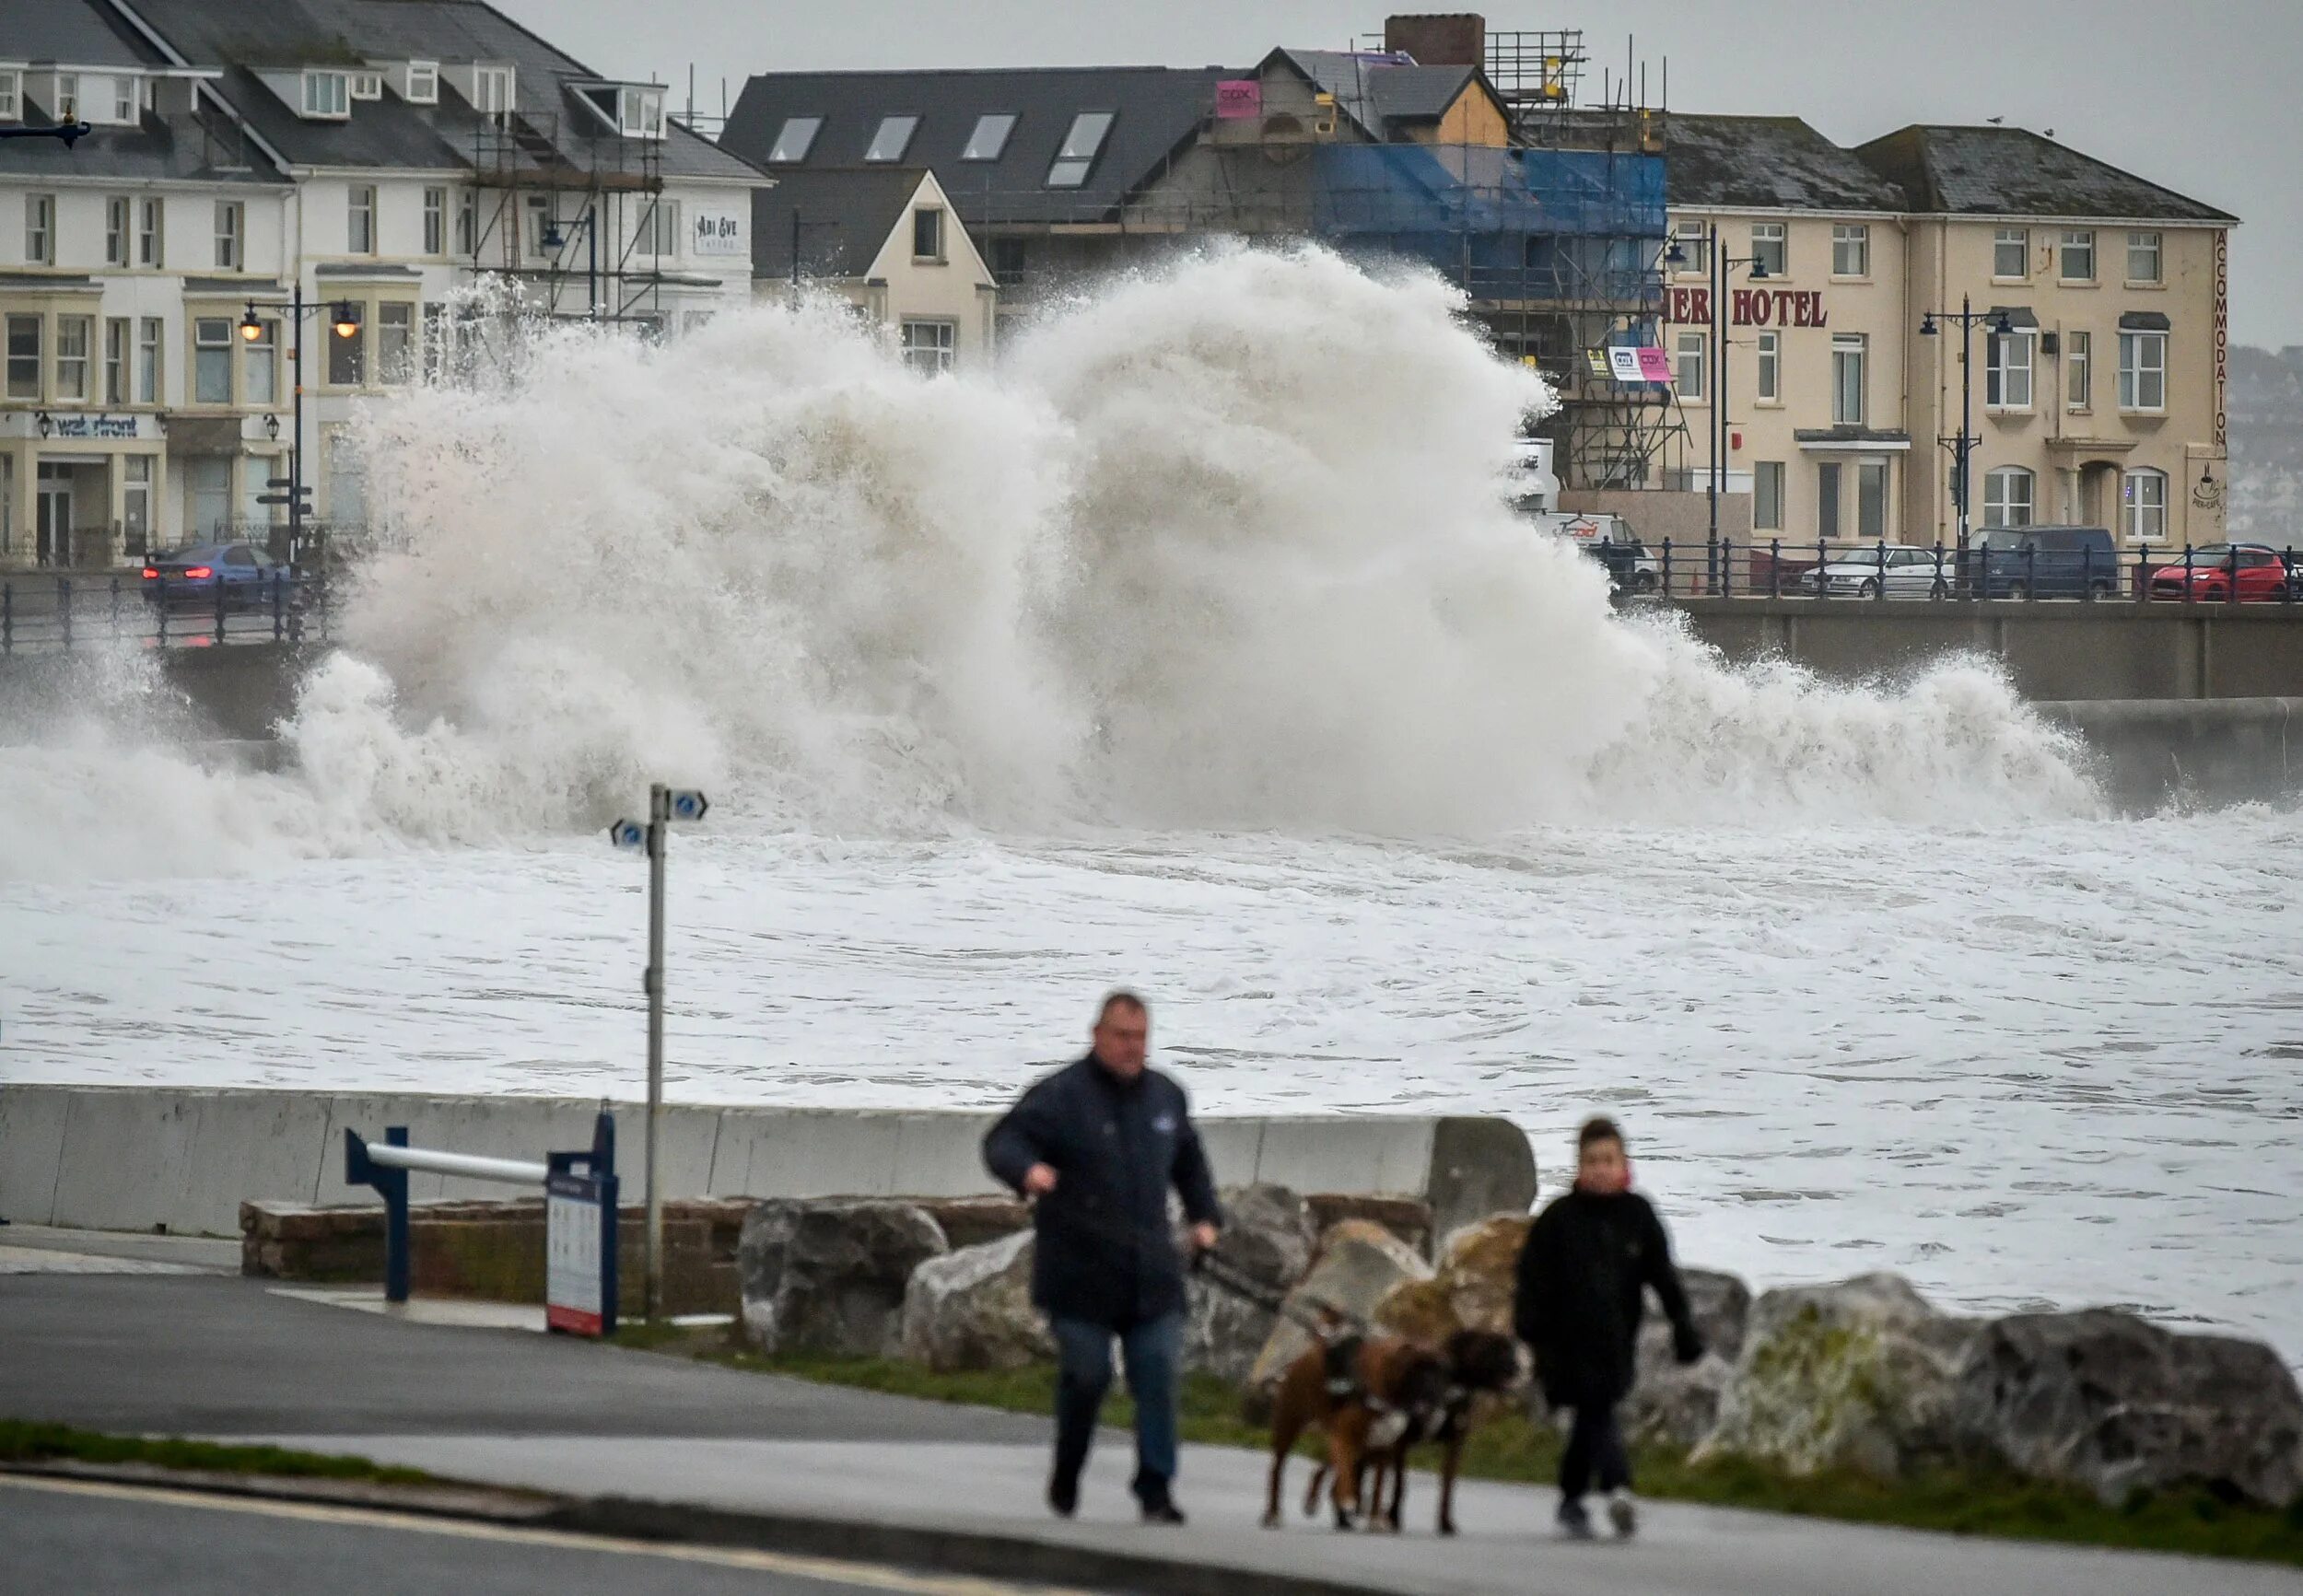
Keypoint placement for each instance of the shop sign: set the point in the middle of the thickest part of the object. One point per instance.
(717, 233)
(1751, 306)
(1239, 97)
(1639, 363)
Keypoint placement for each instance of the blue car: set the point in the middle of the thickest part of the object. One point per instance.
(245, 576)
(2044, 562)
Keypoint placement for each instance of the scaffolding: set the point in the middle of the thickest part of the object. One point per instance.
(572, 216)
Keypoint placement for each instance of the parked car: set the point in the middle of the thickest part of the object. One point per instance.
(2263, 576)
(243, 573)
(2043, 562)
(1867, 573)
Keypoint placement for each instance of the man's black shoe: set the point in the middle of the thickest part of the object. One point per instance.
(1063, 1495)
(1163, 1512)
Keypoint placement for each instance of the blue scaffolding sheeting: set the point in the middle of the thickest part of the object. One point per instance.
(1572, 224)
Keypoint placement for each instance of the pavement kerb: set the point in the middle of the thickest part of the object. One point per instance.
(1018, 1558)
(946, 1550)
(448, 1499)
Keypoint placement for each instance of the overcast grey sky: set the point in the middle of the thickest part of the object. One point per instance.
(2199, 95)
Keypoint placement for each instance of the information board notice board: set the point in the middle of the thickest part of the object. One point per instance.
(579, 1253)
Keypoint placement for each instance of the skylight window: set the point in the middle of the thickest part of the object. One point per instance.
(794, 139)
(989, 138)
(1080, 147)
(893, 139)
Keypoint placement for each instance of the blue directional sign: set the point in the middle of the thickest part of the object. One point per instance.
(688, 804)
(628, 834)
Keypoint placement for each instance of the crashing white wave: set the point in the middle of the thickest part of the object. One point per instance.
(1221, 546)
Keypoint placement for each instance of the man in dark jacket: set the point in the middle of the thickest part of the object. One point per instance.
(1097, 1144)
(1588, 1258)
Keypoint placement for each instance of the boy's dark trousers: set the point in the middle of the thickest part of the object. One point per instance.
(1594, 1446)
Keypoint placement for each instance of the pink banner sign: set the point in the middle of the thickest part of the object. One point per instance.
(1239, 97)
(1654, 364)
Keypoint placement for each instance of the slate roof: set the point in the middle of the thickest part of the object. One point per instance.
(1767, 163)
(1156, 109)
(846, 214)
(390, 133)
(2012, 171)
(1377, 91)
(82, 33)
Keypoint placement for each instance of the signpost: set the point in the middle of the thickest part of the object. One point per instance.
(665, 805)
(579, 1236)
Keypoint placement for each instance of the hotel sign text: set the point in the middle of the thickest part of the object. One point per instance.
(1750, 306)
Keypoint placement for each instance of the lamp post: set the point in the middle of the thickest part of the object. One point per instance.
(344, 319)
(1963, 447)
(1718, 265)
(554, 240)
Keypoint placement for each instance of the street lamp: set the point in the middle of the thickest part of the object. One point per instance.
(344, 317)
(554, 240)
(1963, 447)
(1718, 265)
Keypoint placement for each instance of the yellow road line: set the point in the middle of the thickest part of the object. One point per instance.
(868, 1577)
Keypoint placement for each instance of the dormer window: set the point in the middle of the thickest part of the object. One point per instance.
(328, 95)
(367, 85)
(492, 91)
(422, 83)
(67, 96)
(127, 107)
(11, 94)
(639, 112)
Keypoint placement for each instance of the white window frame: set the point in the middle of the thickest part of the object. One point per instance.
(396, 361)
(367, 85)
(435, 220)
(1767, 368)
(929, 356)
(11, 95)
(119, 359)
(359, 218)
(326, 95)
(903, 127)
(640, 111)
(260, 355)
(1692, 355)
(1082, 149)
(2019, 239)
(2002, 506)
(1850, 241)
(1694, 239)
(39, 229)
(126, 110)
(2075, 240)
(422, 83)
(974, 150)
(468, 222)
(1850, 351)
(1770, 248)
(2007, 382)
(67, 96)
(213, 335)
(938, 254)
(794, 140)
(152, 231)
(135, 501)
(658, 233)
(2079, 370)
(231, 234)
(493, 92)
(117, 230)
(2143, 515)
(77, 389)
(2143, 381)
(2155, 245)
(19, 366)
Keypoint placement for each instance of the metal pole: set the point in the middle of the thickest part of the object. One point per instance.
(296, 441)
(659, 823)
(1711, 474)
(1967, 411)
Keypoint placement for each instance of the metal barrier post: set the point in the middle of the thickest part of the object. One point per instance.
(391, 1184)
(1726, 567)
(279, 603)
(1667, 567)
(1776, 567)
(113, 619)
(2031, 572)
(2287, 576)
(1880, 592)
(219, 605)
(1822, 564)
(2143, 573)
(64, 608)
(2186, 574)
(2231, 575)
(2086, 574)
(1938, 590)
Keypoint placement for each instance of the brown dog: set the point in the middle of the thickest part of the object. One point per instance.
(1364, 1393)
(1478, 1363)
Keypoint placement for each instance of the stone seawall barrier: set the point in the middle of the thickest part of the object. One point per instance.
(116, 1158)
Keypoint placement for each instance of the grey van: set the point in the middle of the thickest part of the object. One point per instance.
(2043, 562)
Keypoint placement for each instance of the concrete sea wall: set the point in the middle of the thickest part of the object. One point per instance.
(138, 1158)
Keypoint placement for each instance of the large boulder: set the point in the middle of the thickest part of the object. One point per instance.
(1409, 1218)
(972, 1308)
(2107, 1400)
(1860, 1374)
(1680, 1405)
(1472, 1287)
(827, 1276)
(1359, 1263)
(1267, 1236)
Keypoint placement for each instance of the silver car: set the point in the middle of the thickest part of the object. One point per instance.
(1868, 573)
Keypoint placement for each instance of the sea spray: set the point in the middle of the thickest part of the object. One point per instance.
(1222, 545)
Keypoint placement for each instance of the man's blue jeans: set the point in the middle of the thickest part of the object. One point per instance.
(1151, 1351)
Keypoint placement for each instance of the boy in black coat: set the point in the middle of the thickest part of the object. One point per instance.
(1588, 1258)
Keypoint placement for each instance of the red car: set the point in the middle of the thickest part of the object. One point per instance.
(2261, 571)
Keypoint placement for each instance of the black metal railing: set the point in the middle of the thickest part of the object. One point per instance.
(41, 613)
(1880, 572)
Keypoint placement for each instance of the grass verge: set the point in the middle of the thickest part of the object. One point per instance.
(25, 1442)
(1970, 1502)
